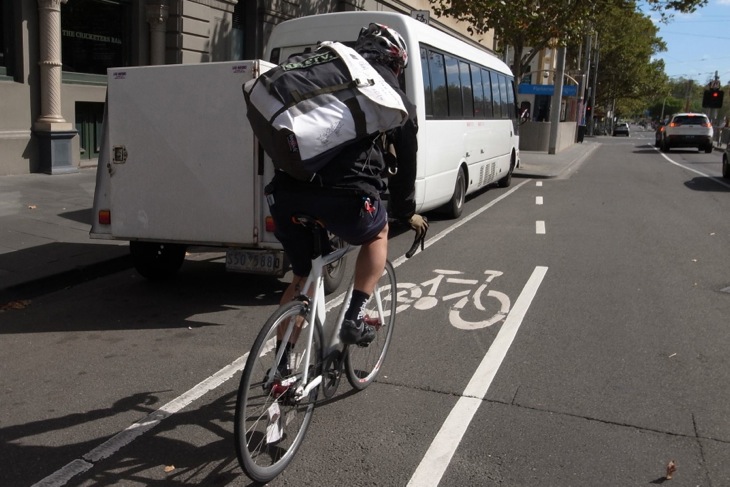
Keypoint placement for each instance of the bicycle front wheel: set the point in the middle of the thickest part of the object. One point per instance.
(363, 363)
(271, 419)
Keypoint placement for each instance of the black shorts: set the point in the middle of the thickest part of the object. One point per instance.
(342, 214)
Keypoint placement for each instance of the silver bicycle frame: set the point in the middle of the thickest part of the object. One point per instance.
(317, 310)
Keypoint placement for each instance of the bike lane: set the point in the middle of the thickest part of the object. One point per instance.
(612, 375)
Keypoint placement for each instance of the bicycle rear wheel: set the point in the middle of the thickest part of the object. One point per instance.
(270, 423)
(363, 363)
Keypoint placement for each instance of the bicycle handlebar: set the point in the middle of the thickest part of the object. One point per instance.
(417, 240)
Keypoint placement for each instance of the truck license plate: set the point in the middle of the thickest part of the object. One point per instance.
(255, 261)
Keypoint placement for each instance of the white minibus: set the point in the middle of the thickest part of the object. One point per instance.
(468, 130)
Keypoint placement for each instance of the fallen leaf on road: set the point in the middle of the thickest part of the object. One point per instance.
(22, 304)
(32, 207)
(671, 468)
(169, 468)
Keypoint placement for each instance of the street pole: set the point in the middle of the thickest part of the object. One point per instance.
(557, 102)
(582, 90)
(593, 90)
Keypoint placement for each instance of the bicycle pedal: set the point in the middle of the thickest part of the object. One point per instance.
(374, 322)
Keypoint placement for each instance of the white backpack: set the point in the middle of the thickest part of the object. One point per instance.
(305, 110)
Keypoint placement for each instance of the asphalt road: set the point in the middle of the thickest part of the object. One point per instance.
(609, 288)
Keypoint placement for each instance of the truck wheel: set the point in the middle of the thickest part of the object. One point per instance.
(157, 261)
(334, 273)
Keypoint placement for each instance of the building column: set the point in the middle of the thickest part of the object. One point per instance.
(54, 132)
(157, 14)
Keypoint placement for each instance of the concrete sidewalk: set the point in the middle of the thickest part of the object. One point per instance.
(45, 222)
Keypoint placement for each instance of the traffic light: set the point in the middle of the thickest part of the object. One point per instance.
(712, 99)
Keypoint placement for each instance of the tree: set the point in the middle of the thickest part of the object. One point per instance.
(539, 24)
(626, 74)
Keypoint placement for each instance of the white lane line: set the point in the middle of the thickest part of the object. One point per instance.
(717, 179)
(123, 438)
(538, 184)
(442, 449)
(538, 200)
(63, 476)
(540, 227)
(461, 222)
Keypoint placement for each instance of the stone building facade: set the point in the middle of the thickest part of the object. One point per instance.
(54, 55)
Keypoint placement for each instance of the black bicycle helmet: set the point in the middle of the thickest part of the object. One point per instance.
(378, 41)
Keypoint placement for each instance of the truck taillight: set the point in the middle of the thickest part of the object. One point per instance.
(269, 224)
(105, 217)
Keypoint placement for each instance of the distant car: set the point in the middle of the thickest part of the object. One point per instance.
(658, 134)
(621, 129)
(688, 130)
(726, 163)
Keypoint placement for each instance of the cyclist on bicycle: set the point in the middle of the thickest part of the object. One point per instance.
(346, 195)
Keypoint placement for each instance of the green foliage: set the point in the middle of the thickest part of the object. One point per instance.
(627, 38)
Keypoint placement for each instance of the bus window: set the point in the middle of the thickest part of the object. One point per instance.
(512, 106)
(487, 85)
(476, 85)
(456, 109)
(427, 92)
(503, 93)
(497, 96)
(467, 93)
(437, 71)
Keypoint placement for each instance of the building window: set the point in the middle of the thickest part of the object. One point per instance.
(89, 117)
(6, 29)
(95, 35)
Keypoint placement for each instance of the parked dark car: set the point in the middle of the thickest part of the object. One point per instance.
(621, 128)
(726, 163)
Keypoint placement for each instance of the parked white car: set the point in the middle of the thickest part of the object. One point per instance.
(688, 130)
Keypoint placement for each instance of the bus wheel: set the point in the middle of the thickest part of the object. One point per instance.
(454, 207)
(507, 180)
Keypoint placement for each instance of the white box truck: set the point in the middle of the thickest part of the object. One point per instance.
(180, 168)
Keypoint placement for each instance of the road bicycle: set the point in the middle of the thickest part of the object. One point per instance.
(276, 399)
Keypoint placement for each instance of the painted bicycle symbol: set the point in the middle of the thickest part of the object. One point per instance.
(465, 304)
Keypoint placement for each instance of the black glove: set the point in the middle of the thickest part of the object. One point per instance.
(419, 224)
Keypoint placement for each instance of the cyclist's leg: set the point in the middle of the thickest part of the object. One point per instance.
(363, 363)
(371, 262)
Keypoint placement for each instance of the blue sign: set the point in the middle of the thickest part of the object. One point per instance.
(530, 89)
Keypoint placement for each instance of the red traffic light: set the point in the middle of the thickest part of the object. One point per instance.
(712, 99)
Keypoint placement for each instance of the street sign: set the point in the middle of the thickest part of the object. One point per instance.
(530, 89)
(421, 15)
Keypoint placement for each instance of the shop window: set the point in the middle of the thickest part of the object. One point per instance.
(89, 118)
(95, 35)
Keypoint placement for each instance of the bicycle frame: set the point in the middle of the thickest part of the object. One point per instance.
(317, 312)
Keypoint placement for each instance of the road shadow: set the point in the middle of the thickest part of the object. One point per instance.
(710, 184)
(159, 454)
(81, 216)
(127, 301)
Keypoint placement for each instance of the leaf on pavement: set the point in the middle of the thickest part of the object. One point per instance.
(169, 468)
(671, 468)
(32, 207)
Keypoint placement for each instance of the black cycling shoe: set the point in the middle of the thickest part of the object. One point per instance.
(356, 332)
